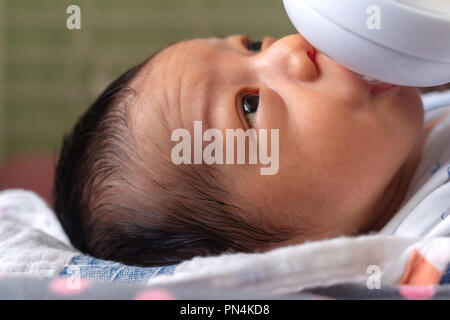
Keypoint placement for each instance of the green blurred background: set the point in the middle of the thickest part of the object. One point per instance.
(49, 75)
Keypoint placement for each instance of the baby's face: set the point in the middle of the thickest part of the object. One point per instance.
(340, 143)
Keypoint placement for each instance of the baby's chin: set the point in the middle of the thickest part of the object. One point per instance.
(410, 113)
(412, 97)
(405, 106)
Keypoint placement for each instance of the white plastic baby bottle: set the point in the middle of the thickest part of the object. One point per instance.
(402, 42)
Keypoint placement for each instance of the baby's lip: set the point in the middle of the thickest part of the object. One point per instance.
(372, 86)
(378, 87)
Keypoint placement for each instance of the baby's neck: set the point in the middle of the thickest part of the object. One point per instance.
(399, 185)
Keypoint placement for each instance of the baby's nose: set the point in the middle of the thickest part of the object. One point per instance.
(267, 42)
(291, 55)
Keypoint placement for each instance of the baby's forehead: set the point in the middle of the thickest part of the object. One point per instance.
(172, 79)
(191, 51)
(181, 58)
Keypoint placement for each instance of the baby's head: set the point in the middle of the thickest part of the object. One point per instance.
(343, 150)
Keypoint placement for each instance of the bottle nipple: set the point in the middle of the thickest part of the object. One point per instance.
(370, 80)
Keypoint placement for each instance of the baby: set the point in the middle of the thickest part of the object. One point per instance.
(348, 151)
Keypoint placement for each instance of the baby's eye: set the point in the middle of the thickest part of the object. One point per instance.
(250, 105)
(253, 46)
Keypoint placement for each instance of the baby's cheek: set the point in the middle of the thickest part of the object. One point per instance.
(349, 177)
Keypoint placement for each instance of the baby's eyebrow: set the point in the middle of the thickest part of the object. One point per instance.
(204, 95)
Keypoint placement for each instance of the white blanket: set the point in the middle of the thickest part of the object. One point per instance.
(32, 242)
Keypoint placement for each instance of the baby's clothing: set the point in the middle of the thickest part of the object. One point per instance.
(425, 211)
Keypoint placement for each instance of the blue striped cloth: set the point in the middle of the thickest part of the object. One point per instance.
(86, 267)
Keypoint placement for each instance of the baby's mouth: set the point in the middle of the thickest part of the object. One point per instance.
(382, 86)
(376, 85)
